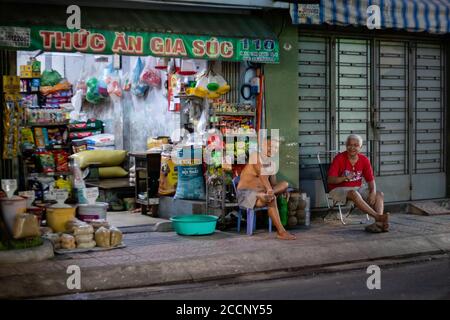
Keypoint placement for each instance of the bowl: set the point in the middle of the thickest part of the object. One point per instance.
(194, 225)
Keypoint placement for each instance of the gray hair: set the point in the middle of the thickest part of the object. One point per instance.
(355, 137)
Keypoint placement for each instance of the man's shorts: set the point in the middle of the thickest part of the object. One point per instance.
(339, 194)
(246, 198)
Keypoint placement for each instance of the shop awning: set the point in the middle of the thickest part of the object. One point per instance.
(239, 36)
(432, 16)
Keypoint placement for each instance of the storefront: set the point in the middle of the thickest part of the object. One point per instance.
(387, 85)
(129, 80)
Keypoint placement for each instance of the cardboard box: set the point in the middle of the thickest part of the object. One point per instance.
(25, 68)
(26, 74)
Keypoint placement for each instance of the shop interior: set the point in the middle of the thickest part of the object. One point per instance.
(134, 111)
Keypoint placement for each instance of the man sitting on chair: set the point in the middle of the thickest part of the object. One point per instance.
(257, 188)
(345, 183)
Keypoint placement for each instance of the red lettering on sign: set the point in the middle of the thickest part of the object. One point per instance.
(80, 40)
(47, 38)
(135, 45)
(178, 48)
(63, 41)
(198, 48)
(226, 49)
(97, 42)
(157, 45)
(168, 47)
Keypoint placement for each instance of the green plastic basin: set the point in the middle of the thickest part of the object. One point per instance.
(194, 225)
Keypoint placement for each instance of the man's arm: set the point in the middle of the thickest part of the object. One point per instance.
(372, 186)
(336, 180)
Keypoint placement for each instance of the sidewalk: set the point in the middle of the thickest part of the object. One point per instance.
(154, 258)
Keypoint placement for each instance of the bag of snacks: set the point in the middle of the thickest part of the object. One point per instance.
(46, 161)
(116, 237)
(26, 225)
(103, 237)
(68, 241)
(61, 161)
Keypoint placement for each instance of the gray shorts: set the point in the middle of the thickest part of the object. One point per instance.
(246, 198)
(339, 194)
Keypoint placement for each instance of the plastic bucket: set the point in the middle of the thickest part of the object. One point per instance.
(10, 208)
(193, 225)
(87, 212)
(57, 218)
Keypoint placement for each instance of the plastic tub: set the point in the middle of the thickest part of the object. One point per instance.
(193, 225)
(10, 208)
(57, 218)
(87, 212)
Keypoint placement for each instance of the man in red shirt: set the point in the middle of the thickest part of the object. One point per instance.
(345, 183)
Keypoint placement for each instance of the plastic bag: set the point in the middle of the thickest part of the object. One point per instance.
(26, 225)
(61, 161)
(150, 75)
(50, 78)
(68, 241)
(100, 140)
(191, 185)
(46, 161)
(168, 176)
(83, 238)
(77, 102)
(138, 88)
(103, 237)
(93, 95)
(116, 237)
(112, 81)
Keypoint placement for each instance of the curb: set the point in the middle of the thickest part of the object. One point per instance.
(218, 266)
(40, 253)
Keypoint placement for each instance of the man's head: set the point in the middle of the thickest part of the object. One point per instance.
(354, 144)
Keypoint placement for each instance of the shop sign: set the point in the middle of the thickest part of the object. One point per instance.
(140, 43)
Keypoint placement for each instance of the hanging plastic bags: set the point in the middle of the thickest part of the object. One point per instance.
(50, 78)
(210, 85)
(150, 75)
(138, 88)
(92, 93)
(112, 81)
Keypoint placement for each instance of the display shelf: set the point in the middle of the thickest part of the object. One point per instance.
(47, 124)
(236, 114)
(49, 174)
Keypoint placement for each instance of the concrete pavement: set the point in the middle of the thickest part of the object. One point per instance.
(166, 258)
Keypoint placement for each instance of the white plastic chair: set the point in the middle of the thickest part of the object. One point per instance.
(324, 167)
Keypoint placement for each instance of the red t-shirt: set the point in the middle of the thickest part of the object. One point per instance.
(341, 164)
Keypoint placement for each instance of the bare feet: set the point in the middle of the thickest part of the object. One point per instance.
(286, 236)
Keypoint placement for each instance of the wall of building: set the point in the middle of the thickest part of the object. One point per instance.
(282, 99)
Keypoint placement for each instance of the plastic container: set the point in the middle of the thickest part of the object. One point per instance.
(58, 217)
(283, 209)
(193, 225)
(87, 212)
(10, 208)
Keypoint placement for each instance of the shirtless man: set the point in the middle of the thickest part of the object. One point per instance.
(255, 189)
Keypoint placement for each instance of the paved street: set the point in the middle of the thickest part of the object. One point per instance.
(153, 259)
(422, 280)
